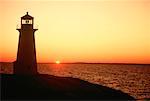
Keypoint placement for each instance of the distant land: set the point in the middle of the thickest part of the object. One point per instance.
(90, 63)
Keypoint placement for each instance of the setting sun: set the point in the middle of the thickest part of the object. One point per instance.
(57, 62)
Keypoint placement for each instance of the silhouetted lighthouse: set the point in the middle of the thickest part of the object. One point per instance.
(26, 56)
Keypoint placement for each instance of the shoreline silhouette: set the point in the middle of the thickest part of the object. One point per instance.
(46, 87)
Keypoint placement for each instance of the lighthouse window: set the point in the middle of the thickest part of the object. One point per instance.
(26, 21)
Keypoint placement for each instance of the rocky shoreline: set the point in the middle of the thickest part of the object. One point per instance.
(48, 87)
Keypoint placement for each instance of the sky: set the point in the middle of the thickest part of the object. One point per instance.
(114, 31)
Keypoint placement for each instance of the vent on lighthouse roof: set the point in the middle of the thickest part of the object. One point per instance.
(27, 16)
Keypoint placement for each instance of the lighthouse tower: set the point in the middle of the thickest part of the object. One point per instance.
(26, 63)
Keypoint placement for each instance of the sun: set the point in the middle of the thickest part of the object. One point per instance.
(57, 62)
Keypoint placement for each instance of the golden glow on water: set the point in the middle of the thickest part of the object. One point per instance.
(131, 79)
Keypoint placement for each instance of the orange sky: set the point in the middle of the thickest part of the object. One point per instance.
(80, 30)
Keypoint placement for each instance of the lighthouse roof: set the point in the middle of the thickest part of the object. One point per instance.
(27, 16)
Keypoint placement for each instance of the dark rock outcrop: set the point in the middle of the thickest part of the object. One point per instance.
(44, 87)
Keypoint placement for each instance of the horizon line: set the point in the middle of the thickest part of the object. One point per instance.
(86, 63)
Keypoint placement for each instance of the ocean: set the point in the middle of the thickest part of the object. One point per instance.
(129, 78)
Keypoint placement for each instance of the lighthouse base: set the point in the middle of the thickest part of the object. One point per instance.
(24, 69)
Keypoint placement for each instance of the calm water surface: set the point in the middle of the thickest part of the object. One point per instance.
(131, 79)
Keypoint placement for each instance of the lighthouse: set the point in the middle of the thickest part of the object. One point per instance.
(26, 63)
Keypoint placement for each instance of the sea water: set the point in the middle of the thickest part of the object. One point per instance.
(131, 79)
